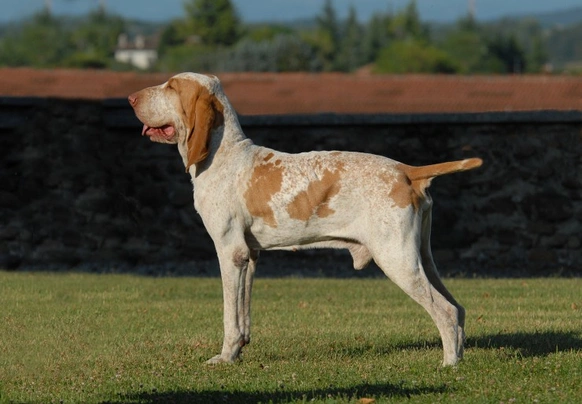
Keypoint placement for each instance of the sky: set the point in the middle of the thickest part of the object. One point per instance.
(286, 10)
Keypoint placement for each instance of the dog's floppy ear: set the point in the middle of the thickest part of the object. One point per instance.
(203, 113)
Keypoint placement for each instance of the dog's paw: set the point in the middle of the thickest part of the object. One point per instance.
(217, 360)
(452, 362)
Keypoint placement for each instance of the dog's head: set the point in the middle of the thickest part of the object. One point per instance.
(184, 110)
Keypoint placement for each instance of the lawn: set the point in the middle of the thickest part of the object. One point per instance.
(126, 339)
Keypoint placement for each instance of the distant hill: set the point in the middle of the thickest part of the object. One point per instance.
(564, 17)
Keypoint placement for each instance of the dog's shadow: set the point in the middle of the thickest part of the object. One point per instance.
(518, 344)
(528, 344)
(282, 396)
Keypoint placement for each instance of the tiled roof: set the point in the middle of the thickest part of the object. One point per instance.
(289, 93)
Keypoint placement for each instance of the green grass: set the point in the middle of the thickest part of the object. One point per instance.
(111, 338)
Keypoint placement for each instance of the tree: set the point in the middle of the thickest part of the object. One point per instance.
(466, 46)
(327, 22)
(532, 36)
(407, 24)
(538, 56)
(326, 37)
(216, 22)
(412, 23)
(95, 40)
(41, 42)
(377, 36)
(350, 54)
(173, 34)
(509, 52)
(198, 42)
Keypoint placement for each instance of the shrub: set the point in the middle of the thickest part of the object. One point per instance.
(412, 56)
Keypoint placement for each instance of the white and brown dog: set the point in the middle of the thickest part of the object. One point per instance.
(252, 198)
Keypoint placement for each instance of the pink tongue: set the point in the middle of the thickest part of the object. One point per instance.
(166, 131)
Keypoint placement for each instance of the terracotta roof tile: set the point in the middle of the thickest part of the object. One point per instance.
(287, 93)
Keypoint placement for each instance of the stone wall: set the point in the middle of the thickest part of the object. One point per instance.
(81, 190)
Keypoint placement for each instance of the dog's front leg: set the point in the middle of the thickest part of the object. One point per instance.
(236, 283)
(245, 308)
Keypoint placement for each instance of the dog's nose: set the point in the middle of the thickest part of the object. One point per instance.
(132, 99)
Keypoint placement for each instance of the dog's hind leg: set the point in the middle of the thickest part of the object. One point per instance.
(403, 265)
(432, 274)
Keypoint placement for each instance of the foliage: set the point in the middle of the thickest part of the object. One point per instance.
(563, 45)
(466, 46)
(211, 36)
(532, 38)
(40, 42)
(267, 32)
(407, 24)
(188, 57)
(283, 53)
(413, 56)
(127, 339)
(377, 36)
(44, 42)
(198, 42)
(95, 40)
(350, 54)
(215, 21)
(508, 52)
(326, 38)
(173, 35)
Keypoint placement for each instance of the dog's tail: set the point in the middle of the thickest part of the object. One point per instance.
(421, 176)
(434, 170)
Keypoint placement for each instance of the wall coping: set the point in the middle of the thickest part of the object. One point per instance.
(15, 111)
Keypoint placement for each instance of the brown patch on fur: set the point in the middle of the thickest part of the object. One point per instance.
(264, 183)
(403, 192)
(315, 199)
(409, 186)
(268, 157)
(203, 112)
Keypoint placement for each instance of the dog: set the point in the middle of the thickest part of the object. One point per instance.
(253, 198)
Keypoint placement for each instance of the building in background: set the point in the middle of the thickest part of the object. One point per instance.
(141, 51)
